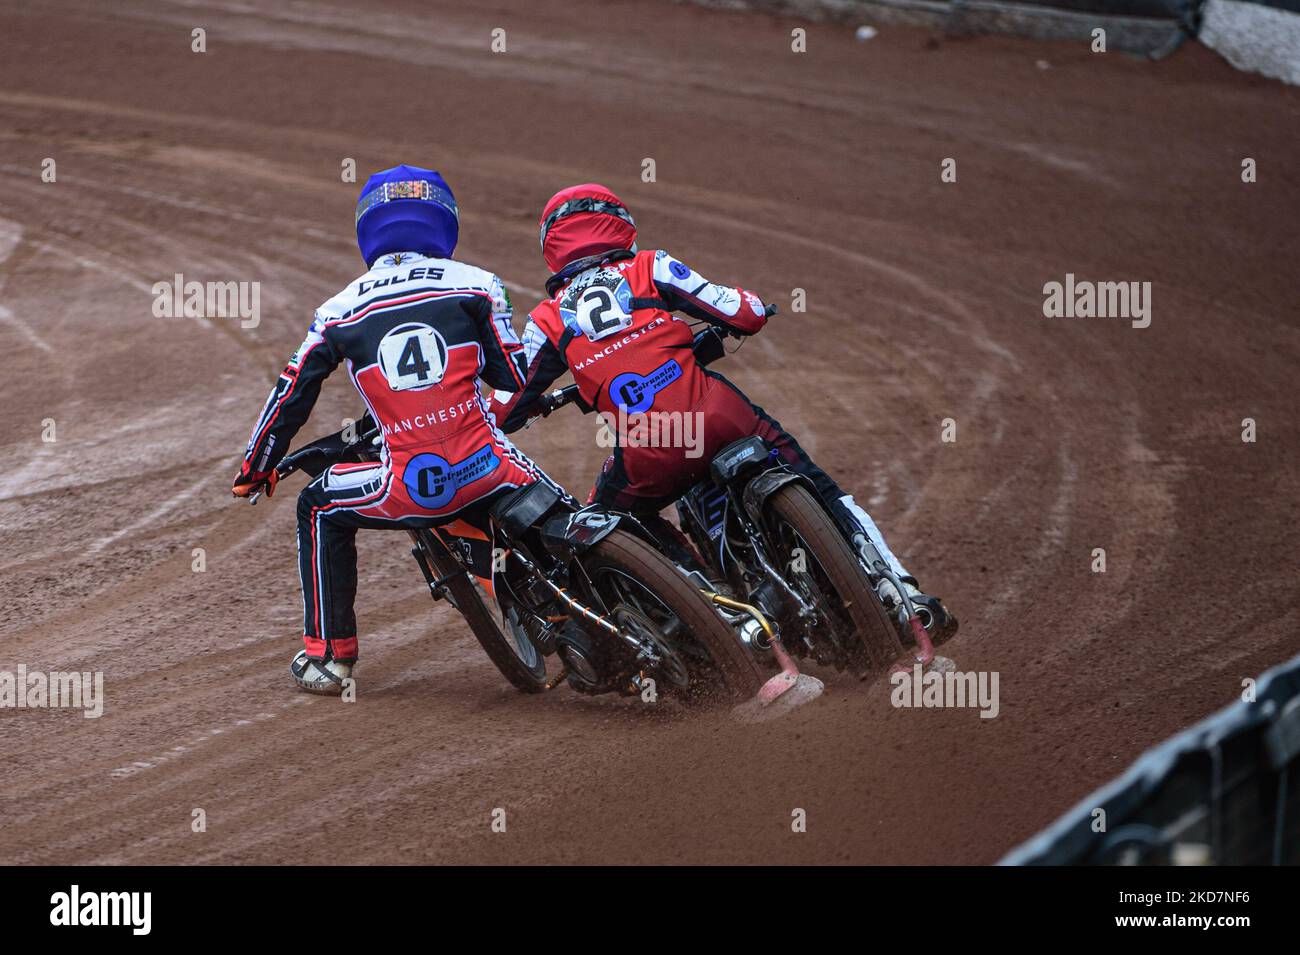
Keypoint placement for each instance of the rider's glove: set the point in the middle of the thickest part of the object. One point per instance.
(248, 484)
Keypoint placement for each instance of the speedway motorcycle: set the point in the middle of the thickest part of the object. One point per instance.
(587, 585)
(772, 553)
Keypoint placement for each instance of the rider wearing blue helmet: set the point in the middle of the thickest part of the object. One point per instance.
(418, 332)
(430, 226)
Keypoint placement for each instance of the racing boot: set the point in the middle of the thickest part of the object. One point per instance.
(939, 623)
(319, 676)
(935, 617)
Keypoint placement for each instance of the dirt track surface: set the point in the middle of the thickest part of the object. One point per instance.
(776, 171)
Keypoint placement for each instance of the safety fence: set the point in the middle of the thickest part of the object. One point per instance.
(1224, 792)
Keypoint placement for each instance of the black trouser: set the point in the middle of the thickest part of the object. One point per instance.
(331, 509)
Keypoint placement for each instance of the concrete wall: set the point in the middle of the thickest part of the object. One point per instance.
(1251, 36)
(1150, 29)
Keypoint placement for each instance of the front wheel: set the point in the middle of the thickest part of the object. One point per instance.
(828, 576)
(648, 596)
(507, 645)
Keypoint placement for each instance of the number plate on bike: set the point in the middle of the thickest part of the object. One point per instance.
(709, 506)
(738, 460)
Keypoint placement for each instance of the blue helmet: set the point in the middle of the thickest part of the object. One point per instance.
(407, 209)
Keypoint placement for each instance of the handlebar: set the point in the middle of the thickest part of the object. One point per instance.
(322, 452)
(298, 459)
(554, 400)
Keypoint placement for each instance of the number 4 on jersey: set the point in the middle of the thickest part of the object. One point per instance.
(412, 357)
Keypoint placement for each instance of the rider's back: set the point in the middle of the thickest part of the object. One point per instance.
(417, 333)
(632, 359)
(626, 349)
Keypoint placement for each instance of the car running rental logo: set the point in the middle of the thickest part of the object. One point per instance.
(635, 393)
(432, 481)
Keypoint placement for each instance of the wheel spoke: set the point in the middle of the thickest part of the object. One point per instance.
(817, 589)
(516, 639)
(632, 600)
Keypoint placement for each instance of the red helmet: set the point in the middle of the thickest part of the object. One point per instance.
(581, 221)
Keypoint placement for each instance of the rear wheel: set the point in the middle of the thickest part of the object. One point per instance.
(648, 596)
(831, 580)
(498, 631)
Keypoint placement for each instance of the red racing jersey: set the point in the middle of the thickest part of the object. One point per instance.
(416, 334)
(613, 326)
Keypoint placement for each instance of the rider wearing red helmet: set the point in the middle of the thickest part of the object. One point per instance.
(610, 321)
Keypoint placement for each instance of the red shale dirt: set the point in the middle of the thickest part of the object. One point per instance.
(775, 171)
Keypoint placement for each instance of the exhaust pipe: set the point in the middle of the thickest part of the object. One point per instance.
(789, 675)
